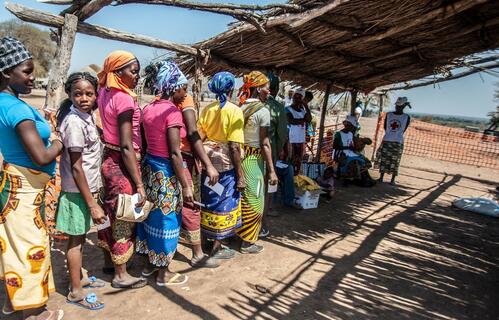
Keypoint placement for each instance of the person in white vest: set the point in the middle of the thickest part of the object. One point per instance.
(392, 147)
(298, 116)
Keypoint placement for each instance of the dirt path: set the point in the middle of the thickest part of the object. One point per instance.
(379, 253)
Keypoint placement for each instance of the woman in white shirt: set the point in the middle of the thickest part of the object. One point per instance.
(392, 147)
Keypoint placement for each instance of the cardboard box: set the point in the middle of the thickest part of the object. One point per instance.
(308, 199)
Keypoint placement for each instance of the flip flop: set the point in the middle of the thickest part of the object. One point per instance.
(150, 273)
(53, 315)
(90, 302)
(5, 312)
(171, 281)
(135, 285)
(94, 283)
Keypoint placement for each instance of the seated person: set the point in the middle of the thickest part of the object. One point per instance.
(352, 165)
(326, 182)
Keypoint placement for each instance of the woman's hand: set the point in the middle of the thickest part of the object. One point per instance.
(241, 184)
(142, 193)
(212, 173)
(188, 195)
(273, 180)
(97, 214)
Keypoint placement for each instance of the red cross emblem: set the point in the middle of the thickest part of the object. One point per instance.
(395, 125)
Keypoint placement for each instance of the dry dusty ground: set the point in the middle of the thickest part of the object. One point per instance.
(378, 253)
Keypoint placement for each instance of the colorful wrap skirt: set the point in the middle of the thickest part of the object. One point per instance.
(190, 232)
(24, 240)
(119, 238)
(390, 155)
(253, 196)
(158, 235)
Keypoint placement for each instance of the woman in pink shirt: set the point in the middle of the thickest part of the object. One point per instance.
(163, 173)
(120, 116)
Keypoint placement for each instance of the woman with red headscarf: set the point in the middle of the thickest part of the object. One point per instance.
(121, 116)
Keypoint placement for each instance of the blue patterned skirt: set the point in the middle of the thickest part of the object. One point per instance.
(158, 235)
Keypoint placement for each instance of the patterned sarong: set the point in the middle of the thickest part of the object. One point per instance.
(119, 238)
(221, 214)
(252, 199)
(24, 241)
(158, 235)
(390, 156)
(190, 232)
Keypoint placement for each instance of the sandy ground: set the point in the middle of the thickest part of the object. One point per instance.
(378, 253)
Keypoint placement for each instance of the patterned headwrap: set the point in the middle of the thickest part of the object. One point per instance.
(12, 53)
(115, 61)
(169, 77)
(221, 84)
(274, 82)
(252, 80)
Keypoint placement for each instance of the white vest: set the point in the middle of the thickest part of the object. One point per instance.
(297, 131)
(347, 141)
(395, 126)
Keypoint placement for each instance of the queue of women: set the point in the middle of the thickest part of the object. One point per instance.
(152, 152)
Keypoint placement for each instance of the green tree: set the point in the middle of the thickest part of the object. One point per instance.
(37, 41)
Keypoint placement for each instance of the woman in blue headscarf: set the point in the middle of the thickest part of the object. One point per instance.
(221, 125)
(163, 173)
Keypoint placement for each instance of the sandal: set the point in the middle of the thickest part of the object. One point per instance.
(146, 273)
(253, 249)
(48, 315)
(93, 282)
(224, 253)
(204, 262)
(7, 312)
(140, 283)
(175, 280)
(90, 302)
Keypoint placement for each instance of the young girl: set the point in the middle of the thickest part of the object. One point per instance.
(80, 179)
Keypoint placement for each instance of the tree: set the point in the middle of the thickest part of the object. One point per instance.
(36, 40)
(494, 115)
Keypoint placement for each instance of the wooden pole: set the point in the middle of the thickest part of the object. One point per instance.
(60, 64)
(353, 101)
(323, 120)
(378, 125)
(198, 82)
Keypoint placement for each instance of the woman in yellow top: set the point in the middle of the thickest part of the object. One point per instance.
(221, 127)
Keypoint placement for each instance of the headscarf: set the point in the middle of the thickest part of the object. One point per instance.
(115, 61)
(300, 91)
(274, 81)
(169, 77)
(12, 53)
(352, 120)
(252, 80)
(221, 84)
(402, 102)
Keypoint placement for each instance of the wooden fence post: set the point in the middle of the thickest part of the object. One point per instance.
(378, 125)
(321, 125)
(60, 65)
(353, 101)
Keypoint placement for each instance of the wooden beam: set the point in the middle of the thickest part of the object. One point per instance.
(290, 7)
(92, 8)
(60, 64)
(51, 20)
(322, 121)
(475, 69)
(314, 13)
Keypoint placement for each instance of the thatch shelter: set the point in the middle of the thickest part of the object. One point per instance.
(358, 44)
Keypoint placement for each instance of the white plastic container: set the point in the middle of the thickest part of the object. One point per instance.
(308, 199)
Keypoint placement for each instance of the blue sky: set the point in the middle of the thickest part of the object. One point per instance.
(470, 96)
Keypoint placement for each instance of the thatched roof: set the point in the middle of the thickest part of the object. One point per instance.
(361, 44)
